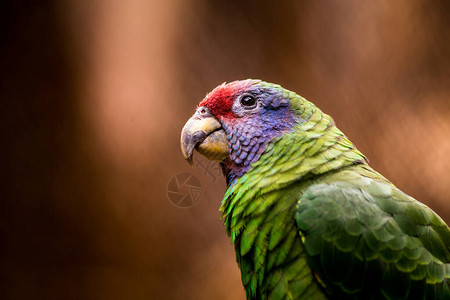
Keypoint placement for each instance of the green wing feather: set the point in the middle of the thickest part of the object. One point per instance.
(366, 238)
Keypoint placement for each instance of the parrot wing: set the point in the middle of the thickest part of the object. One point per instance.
(366, 238)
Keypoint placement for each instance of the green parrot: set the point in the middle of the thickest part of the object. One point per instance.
(309, 218)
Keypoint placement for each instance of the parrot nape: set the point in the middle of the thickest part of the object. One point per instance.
(309, 218)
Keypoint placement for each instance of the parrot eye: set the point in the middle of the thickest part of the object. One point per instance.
(248, 101)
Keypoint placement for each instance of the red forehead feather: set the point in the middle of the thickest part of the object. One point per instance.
(220, 100)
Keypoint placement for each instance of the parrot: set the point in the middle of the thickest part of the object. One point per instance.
(308, 217)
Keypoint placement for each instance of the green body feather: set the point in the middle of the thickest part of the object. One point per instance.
(311, 220)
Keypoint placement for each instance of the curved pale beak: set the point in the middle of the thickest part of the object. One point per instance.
(206, 136)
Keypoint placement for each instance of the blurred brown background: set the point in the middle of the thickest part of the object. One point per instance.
(95, 93)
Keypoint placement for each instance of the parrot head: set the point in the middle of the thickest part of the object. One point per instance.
(235, 122)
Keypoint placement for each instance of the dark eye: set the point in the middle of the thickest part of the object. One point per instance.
(248, 101)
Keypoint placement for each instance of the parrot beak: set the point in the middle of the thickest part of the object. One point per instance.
(205, 134)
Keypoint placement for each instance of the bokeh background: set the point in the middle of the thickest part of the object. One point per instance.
(94, 95)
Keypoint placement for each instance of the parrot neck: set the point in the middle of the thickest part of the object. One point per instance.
(312, 148)
(249, 139)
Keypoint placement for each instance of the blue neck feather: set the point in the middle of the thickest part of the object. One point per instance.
(248, 138)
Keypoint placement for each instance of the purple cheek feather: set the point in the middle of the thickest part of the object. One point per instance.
(249, 135)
